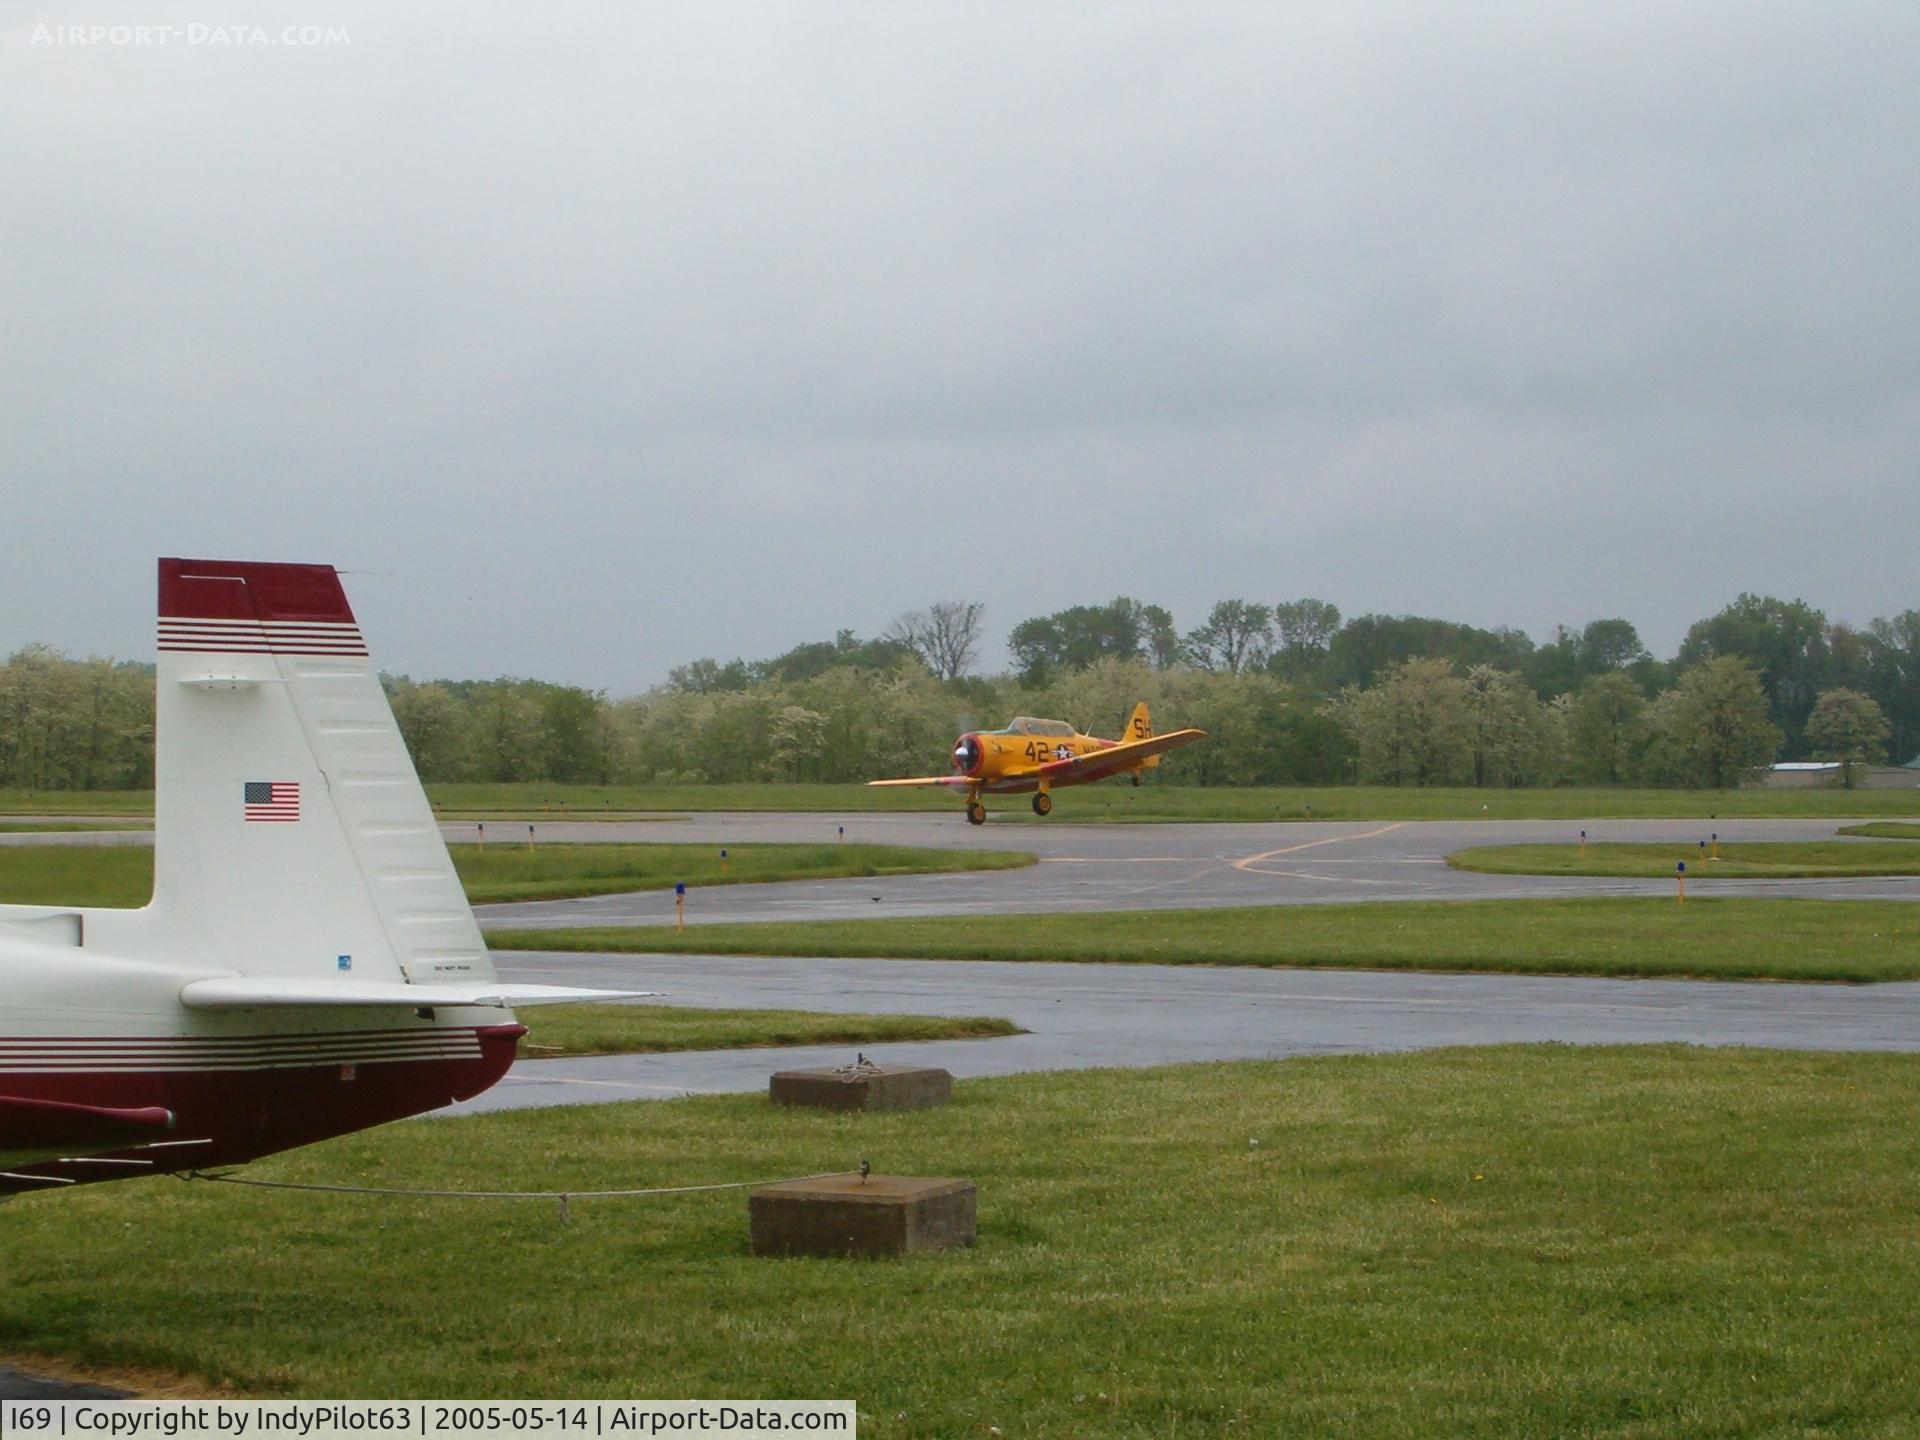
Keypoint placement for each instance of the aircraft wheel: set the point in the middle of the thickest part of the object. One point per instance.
(1138, 781)
(1043, 804)
(976, 813)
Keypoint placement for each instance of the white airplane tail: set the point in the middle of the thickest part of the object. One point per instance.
(308, 965)
(292, 836)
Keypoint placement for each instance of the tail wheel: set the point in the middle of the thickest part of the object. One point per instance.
(1138, 779)
(1043, 804)
(976, 813)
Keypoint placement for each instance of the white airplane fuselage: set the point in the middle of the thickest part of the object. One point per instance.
(85, 1028)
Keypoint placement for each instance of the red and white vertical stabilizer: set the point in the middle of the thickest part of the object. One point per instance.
(293, 835)
(308, 965)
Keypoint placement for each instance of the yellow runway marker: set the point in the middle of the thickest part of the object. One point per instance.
(1251, 863)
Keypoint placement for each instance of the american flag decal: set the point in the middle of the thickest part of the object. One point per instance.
(272, 800)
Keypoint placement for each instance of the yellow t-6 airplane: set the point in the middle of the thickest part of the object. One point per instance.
(1037, 755)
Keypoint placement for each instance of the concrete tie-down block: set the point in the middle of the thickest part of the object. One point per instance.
(872, 1216)
(863, 1086)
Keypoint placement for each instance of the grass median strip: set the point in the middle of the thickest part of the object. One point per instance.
(1095, 803)
(522, 872)
(18, 802)
(123, 876)
(1156, 802)
(1884, 830)
(1727, 939)
(1506, 1242)
(1758, 860)
(69, 827)
(557, 1031)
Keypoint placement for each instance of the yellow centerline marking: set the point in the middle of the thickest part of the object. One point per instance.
(1250, 861)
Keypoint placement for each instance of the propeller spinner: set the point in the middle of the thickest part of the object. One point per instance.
(966, 754)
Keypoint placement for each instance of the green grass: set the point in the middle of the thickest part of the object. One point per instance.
(75, 802)
(1121, 802)
(1648, 1244)
(1732, 939)
(517, 872)
(1884, 830)
(64, 827)
(119, 876)
(1104, 802)
(559, 1030)
(1757, 860)
(104, 875)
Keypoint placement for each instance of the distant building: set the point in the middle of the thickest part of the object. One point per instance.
(1819, 774)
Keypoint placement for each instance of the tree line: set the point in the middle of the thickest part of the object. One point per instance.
(1290, 693)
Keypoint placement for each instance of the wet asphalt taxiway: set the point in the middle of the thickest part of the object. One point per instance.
(1152, 867)
(1084, 1015)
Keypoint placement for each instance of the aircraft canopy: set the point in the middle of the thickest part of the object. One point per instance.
(1028, 725)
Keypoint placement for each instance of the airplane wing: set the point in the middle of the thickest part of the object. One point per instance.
(246, 992)
(1118, 757)
(951, 782)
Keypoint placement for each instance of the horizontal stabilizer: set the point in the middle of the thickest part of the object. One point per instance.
(1118, 757)
(245, 992)
(54, 929)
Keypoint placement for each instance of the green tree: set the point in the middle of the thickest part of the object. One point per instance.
(915, 717)
(1717, 727)
(433, 724)
(1236, 634)
(1786, 643)
(946, 635)
(845, 651)
(1849, 727)
(707, 675)
(1606, 729)
(1893, 669)
(1510, 731)
(1229, 708)
(29, 714)
(573, 746)
(75, 724)
(1370, 645)
(799, 737)
(1610, 645)
(1413, 728)
(1296, 742)
(1158, 637)
(1563, 663)
(505, 719)
(1303, 630)
(1849, 659)
(1557, 667)
(1075, 638)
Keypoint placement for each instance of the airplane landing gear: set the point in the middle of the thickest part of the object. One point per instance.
(976, 813)
(1138, 780)
(1042, 803)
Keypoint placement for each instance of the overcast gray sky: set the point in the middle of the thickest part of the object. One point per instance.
(611, 336)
